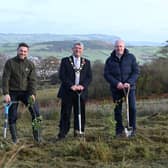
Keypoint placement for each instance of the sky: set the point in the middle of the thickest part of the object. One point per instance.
(131, 20)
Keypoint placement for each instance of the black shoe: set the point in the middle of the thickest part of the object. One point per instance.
(78, 134)
(60, 137)
(133, 134)
(120, 135)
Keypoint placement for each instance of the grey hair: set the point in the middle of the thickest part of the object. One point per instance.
(119, 40)
(78, 43)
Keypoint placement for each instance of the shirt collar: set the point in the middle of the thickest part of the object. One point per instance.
(119, 56)
(76, 58)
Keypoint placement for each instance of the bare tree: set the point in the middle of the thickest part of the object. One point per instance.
(47, 67)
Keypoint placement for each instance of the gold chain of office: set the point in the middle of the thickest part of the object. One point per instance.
(77, 70)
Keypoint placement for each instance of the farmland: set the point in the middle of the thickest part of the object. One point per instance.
(94, 50)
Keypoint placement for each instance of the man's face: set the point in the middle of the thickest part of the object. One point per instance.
(77, 50)
(119, 47)
(22, 52)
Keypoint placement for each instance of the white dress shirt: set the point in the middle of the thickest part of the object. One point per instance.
(77, 65)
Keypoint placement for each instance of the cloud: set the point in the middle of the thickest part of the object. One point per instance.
(132, 18)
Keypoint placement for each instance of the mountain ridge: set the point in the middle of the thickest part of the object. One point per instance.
(47, 37)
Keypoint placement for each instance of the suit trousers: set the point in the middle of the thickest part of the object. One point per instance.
(66, 108)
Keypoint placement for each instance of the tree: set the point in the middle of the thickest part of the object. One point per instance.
(47, 67)
(99, 88)
(164, 50)
(153, 78)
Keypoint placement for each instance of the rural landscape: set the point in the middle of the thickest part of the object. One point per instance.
(100, 148)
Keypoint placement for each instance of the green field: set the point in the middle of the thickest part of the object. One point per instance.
(100, 149)
(143, 53)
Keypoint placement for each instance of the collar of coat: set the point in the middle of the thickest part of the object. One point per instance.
(20, 60)
(113, 54)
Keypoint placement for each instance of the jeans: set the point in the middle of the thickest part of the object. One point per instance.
(118, 110)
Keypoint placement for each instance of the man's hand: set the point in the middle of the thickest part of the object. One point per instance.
(80, 87)
(33, 97)
(7, 98)
(77, 87)
(74, 87)
(31, 100)
(120, 86)
(126, 85)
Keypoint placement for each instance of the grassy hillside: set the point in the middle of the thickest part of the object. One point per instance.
(100, 149)
(94, 50)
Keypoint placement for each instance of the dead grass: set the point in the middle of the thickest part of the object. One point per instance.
(100, 149)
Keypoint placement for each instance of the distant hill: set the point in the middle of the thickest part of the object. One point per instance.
(38, 38)
(60, 46)
(143, 43)
(94, 50)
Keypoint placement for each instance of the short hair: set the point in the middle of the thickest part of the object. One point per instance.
(78, 43)
(119, 40)
(23, 45)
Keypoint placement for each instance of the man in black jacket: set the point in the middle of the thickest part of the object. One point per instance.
(75, 75)
(19, 84)
(121, 71)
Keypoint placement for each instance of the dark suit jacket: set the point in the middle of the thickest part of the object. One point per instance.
(67, 77)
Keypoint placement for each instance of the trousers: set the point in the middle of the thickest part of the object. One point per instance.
(66, 109)
(118, 110)
(22, 96)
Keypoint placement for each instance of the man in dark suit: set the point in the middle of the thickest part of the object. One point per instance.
(75, 75)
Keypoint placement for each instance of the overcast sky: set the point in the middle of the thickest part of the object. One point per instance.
(132, 20)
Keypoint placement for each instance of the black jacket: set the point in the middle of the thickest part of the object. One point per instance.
(67, 77)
